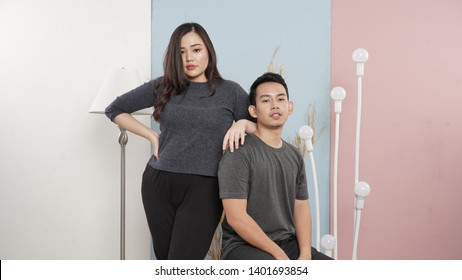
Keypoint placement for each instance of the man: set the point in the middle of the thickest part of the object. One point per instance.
(263, 185)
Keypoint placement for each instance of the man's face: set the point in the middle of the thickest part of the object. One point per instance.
(272, 107)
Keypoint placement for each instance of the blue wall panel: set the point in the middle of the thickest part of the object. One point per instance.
(245, 35)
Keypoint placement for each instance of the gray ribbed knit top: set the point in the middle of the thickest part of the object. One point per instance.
(193, 124)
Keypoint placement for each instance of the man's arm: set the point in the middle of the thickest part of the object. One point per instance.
(302, 218)
(248, 229)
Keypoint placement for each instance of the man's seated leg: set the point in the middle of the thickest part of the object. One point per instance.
(290, 246)
(316, 255)
(248, 252)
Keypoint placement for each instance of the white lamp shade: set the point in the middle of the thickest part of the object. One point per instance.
(338, 93)
(328, 242)
(360, 55)
(362, 189)
(117, 82)
(305, 132)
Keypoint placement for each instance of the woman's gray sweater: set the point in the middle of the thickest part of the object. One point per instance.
(193, 124)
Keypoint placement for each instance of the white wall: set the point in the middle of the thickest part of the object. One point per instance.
(59, 165)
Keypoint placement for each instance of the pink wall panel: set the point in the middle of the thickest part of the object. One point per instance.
(411, 140)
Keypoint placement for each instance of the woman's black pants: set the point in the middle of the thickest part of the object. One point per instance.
(183, 212)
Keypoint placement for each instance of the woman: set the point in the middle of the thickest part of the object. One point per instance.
(195, 108)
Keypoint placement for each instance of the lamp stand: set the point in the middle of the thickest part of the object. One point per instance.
(306, 133)
(123, 139)
(119, 81)
(316, 198)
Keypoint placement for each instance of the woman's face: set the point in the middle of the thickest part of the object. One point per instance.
(195, 57)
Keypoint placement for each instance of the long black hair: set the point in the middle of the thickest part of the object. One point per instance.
(175, 80)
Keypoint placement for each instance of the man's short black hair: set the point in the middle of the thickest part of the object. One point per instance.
(266, 78)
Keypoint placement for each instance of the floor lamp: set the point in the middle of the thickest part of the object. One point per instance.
(117, 82)
(306, 134)
(338, 94)
(361, 189)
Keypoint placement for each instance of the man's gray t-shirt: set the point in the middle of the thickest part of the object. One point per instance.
(271, 179)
